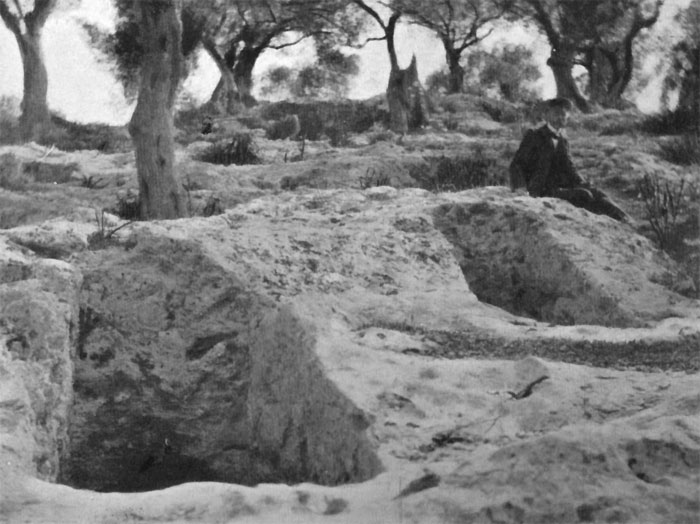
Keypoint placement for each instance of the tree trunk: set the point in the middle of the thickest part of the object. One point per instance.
(397, 89)
(398, 105)
(562, 62)
(689, 91)
(151, 125)
(243, 74)
(456, 76)
(35, 118)
(224, 99)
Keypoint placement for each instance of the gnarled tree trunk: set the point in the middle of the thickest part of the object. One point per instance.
(35, 116)
(405, 97)
(27, 26)
(456, 71)
(243, 74)
(561, 62)
(151, 125)
(225, 98)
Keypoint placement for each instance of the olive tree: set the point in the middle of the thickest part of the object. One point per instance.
(26, 22)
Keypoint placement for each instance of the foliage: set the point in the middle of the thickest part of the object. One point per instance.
(438, 81)
(103, 237)
(459, 24)
(509, 69)
(123, 48)
(665, 203)
(683, 150)
(233, 32)
(240, 150)
(379, 134)
(501, 111)
(92, 182)
(128, 205)
(462, 172)
(9, 119)
(597, 34)
(668, 122)
(286, 127)
(11, 176)
(323, 118)
(75, 136)
(374, 178)
(328, 78)
(683, 75)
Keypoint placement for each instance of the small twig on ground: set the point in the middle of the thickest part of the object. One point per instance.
(427, 481)
(527, 390)
(48, 152)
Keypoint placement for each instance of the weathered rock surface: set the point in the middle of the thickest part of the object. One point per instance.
(330, 337)
(38, 317)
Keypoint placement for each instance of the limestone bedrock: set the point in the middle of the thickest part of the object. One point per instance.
(330, 342)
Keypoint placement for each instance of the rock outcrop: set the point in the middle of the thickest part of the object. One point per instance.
(38, 321)
(331, 340)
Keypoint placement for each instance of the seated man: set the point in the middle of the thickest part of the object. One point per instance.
(543, 165)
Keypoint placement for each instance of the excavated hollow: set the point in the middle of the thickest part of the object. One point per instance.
(183, 374)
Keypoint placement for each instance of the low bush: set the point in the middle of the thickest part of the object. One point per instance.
(11, 177)
(683, 150)
(239, 150)
(9, 119)
(665, 204)
(462, 172)
(74, 136)
(669, 123)
(381, 135)
(286, 127)
(128, 205)
(500, 111)
(325, 118)
(374, 178)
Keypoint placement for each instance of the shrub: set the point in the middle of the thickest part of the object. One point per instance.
(381, 135)
(683, 150)
(104, 236)
(665, 203)
(73, 136)
(462, 172)
(11, 176)
(240, 150)
(128, 205)
(317, 118)
(9, 119)
(502, 112)
(374, 178)
(668, 123)
(286, 127)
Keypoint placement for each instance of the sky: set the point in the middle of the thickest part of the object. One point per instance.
(83, 89)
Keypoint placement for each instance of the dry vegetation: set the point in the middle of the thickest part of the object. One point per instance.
(649, 164)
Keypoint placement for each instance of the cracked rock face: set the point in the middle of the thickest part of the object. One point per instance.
(174, 346)
(538, 259)
(38, 317)
(332, 338)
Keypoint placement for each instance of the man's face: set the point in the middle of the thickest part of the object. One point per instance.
(557, 117)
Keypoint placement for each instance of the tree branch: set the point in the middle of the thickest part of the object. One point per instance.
(367, 9)
(38, 16)
(10, 19)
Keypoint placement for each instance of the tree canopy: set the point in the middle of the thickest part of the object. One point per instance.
(597, 34)
(459, 24)
(234, 33)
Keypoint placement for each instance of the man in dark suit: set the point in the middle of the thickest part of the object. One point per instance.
(543, 165)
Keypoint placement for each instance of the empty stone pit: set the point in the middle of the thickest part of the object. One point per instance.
(183, 374)
(550, 266)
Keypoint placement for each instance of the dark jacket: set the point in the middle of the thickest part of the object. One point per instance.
(543, 167)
